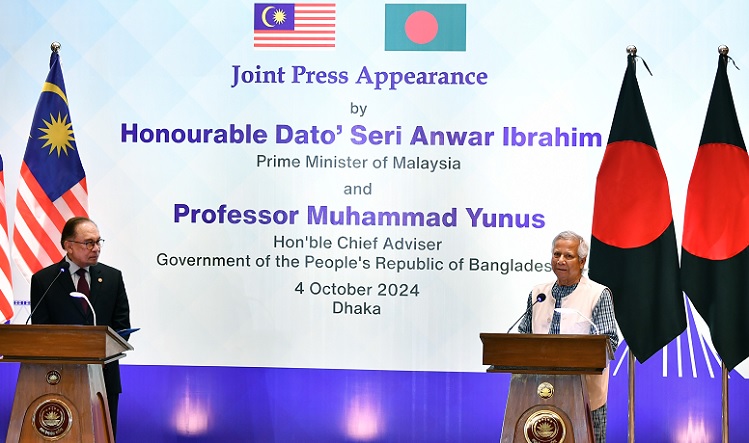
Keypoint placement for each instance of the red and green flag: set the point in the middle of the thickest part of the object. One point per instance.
(715, 244)
(425, 27)
(633, 246)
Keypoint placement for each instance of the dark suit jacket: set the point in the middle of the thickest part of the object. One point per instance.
(107, 295)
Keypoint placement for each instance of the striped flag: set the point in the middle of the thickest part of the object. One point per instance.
(6, 286)
(52, 187)
(295, 25)
(715, 244)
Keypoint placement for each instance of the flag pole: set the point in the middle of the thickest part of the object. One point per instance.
(723, 50)
(631, 398)
(631, 50)
(724, 403)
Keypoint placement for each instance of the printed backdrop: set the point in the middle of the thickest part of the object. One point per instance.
(355, 204)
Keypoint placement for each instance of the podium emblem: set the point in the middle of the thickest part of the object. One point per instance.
(545, 390)
(545, 426)
(52, 419)
(53, 377)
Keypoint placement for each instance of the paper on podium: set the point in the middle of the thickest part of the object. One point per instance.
(125, 333)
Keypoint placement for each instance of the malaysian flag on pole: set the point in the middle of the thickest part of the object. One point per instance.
(6, 287)
(295, 25)
(52, 187)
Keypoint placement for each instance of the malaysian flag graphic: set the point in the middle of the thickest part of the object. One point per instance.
(6, 287)
(295, 25)
(52, 187)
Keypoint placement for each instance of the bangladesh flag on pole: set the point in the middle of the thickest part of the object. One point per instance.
(633, 248)
(715, 255)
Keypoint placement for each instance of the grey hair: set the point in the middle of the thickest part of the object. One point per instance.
(582, 248)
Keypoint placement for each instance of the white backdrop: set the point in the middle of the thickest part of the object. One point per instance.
(160, 64)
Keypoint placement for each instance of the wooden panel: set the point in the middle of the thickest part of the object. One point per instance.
(545, 353)
(60, 394)
(69, 343)
(80, 390)
(570, 402)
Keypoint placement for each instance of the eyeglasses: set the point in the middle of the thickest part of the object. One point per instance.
(89, 244)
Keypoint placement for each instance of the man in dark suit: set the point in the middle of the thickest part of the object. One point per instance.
(81, 241)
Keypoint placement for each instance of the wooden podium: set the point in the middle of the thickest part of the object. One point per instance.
(548, 398)
(60, 394)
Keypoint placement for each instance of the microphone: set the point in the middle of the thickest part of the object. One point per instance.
(539, 298)
(575, 311)
(75, 294)
(63, 269)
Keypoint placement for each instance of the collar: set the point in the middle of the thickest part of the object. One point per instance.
(74, 267)
(559, 292)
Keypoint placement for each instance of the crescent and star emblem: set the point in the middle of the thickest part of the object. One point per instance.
(264, 16)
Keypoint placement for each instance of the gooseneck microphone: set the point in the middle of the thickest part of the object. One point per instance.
(575, 311)
(82, 296)
(63, 269)
(539, 298)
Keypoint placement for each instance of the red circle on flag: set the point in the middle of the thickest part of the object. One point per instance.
(717, 209)
(632, 204)
(421, 27)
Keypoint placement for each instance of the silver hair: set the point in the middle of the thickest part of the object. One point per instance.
(582, 248)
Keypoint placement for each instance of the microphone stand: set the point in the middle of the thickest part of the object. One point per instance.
(83, 296)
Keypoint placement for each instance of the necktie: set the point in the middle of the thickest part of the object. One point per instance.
(83, 288)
